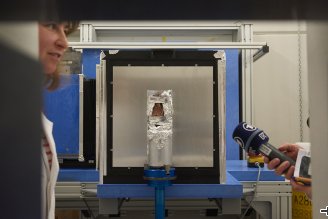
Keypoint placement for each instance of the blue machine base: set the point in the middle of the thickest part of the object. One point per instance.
(237, 171)
(231, 189)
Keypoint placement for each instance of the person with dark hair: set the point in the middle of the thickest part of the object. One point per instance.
(52, 45)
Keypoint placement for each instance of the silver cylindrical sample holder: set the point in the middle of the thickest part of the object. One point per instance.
(159, 128)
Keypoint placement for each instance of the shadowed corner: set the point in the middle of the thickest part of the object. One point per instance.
(20, 126)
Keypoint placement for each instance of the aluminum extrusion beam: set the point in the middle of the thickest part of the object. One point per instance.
(166, 45)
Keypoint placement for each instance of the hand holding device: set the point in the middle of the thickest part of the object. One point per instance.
(252, 139)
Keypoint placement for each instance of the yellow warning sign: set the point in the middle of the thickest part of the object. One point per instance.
(301, 206)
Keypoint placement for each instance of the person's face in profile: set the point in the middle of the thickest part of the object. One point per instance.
(52, 45)
(158, 110)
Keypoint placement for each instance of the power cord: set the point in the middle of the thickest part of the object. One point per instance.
(255, 189)
(89, 209)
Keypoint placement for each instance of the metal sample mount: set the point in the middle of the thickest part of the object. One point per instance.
(159, 129)
(158, 171)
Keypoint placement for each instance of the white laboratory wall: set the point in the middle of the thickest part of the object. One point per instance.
(276, 81)
(318, 93)
(22, 36)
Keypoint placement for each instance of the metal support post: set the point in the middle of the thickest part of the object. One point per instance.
(247, 68)
(87, 33)
(160, 202)
(159, 179)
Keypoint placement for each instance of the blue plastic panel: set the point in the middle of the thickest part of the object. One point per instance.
(90, 58)
(232, 102)
(62, 108)
(239, 170)
(78, 175)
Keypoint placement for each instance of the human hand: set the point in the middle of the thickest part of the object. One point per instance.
(302, 188)
(291, 151)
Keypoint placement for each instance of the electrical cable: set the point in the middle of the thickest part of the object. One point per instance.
(120, 203)
(255, 190)
(89, 209)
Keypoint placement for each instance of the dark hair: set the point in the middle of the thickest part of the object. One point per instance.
(52, 81)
